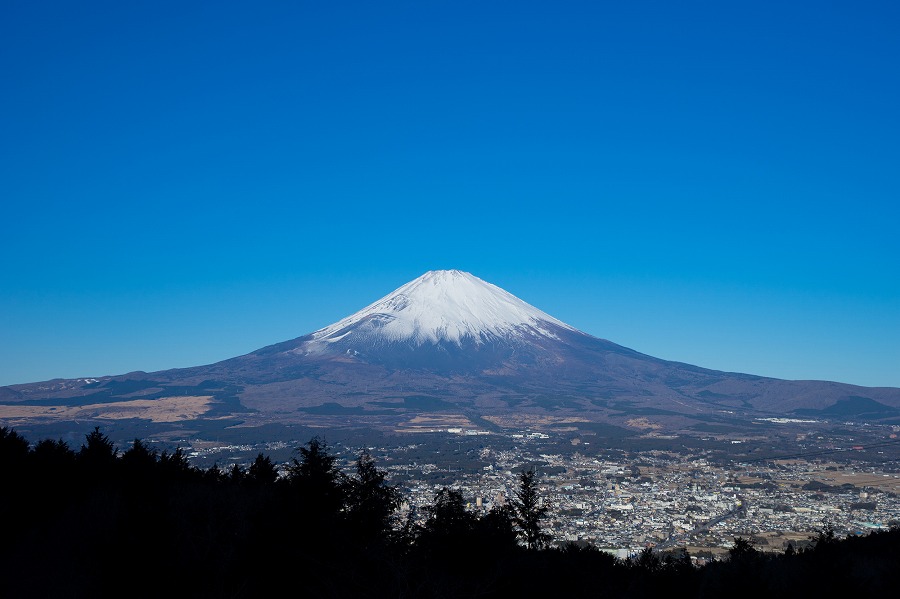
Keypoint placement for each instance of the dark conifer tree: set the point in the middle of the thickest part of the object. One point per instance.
(97, 456)
(262, 471)
(215, 475)
(52, 454)
(317, 479)
(175, 466)
(51, 472)
(497, 531)
(647, 560)
(13, 449)
(371, 502)
(825, 538)
(529, 512)
(14, 473)
(237, 474)
(449, 528)
(139, 457)
(742, 550)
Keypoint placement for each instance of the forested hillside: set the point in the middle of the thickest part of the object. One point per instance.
(101, 522)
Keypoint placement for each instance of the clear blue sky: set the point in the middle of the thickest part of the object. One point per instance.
(711, 182)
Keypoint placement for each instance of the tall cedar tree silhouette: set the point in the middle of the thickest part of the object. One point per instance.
(742, 550)
(13, 448)
(529, 512)
(449, 527)
(647, 560)
(497, 531)
(139, 457)
(371, 502)
(13, 479)
(317, 480)
(237, 474)
(97, 455)
(53, 458)
(262, 471)
(175, 465)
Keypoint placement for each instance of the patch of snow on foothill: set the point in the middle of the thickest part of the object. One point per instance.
(442, 306)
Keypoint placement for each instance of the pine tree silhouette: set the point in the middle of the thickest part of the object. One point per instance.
(529, 512)
(371, 502)
(262, 471)
(316, 480)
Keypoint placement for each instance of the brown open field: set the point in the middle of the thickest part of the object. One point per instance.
(164, 409)
(428, 423)
(530, 420)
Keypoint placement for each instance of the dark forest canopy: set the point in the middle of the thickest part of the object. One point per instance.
(98, 521)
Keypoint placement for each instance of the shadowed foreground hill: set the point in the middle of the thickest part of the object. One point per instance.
(99, 523)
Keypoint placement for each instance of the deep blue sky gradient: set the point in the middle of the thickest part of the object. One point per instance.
(714, 183)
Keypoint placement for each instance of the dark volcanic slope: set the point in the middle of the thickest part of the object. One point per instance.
(575, 372)
(451, 342)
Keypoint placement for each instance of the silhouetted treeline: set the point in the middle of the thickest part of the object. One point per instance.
(101, 522)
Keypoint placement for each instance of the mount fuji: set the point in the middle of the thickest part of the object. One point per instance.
(444, 306)
(444, 349)
(445, 321)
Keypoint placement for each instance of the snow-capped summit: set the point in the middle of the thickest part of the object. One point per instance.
(451, 348)
(441, 306)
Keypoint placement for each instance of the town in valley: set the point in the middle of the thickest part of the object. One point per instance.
(779, 487)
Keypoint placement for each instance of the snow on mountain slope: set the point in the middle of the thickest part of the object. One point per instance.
(441, 306)
(450, 342)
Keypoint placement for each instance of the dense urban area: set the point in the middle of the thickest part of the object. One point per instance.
(699, 496)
